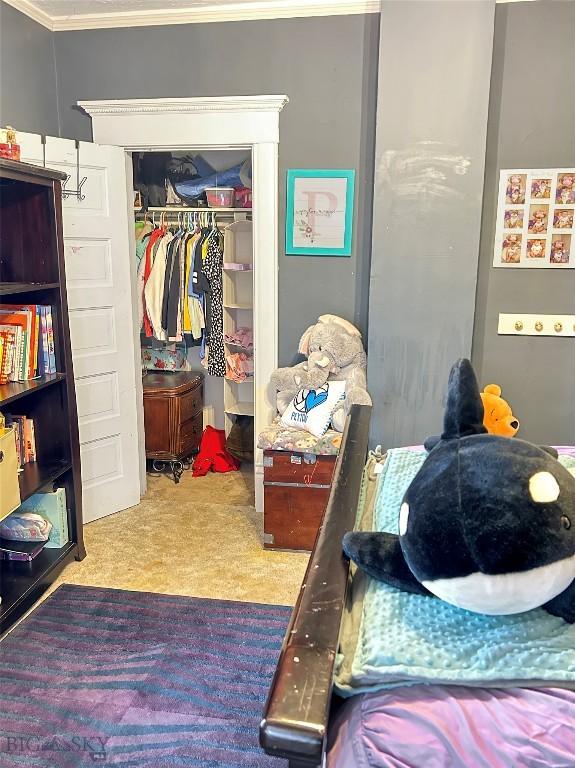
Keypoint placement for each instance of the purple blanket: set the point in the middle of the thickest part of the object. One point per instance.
(439, 726)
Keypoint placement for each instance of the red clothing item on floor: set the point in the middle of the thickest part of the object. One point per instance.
(213, 454)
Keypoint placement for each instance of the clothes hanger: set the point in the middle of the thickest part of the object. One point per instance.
(214, 229)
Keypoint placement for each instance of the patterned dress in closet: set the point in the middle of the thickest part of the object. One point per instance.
(213, 266)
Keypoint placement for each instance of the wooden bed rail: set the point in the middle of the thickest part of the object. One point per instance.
(295, 719)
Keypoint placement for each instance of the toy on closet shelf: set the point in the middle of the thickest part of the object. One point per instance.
(487, 524)
(498, 418)
(334, 352)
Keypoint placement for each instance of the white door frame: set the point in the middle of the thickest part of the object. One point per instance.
(210, 123)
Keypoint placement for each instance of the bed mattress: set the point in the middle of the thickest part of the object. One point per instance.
(436, 726)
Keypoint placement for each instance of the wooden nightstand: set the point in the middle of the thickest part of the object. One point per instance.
(173, 418)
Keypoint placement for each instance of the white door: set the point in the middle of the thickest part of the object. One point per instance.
(102, 313)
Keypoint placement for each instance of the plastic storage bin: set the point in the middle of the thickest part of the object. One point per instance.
(220, 197)
(9, 485)
(244, 197)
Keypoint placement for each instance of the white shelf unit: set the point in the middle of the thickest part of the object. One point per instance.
(238, 301)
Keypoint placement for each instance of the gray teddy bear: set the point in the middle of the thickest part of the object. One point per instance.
(335, 352)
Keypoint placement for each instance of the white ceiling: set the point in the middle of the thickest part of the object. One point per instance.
(96, 14)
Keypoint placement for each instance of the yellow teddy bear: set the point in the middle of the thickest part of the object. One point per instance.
(498, 418)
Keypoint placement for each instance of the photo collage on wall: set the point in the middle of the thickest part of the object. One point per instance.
(535, 219)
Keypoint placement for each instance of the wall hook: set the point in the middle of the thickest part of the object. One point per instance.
(66, 193)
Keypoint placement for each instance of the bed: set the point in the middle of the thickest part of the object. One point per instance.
(405, 719)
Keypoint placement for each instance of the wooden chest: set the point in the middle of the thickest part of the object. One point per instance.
(173, 414)
(296, 492)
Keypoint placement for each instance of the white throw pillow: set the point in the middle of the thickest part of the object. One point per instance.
(311, 409)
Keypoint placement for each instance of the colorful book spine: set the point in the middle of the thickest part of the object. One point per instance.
(50, 335)
(25, 437)
(37, 339)
(33, 326)
(6, 355)
(29, 440)
(16, 334)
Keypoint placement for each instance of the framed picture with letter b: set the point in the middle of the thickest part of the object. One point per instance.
(319, 212)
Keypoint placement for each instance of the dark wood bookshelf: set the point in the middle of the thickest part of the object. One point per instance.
(24, 582)
(36, 475)
(6, 289)
(14, 390)
(32, 271)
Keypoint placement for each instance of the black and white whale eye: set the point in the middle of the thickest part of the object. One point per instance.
(565, 522)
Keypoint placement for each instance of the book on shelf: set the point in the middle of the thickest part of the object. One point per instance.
(25, 437)
(7, 353)
(52, 507)
(20, 550)
(33, 355)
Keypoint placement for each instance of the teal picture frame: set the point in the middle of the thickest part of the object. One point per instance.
(316, 247)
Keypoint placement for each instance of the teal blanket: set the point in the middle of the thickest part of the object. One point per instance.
(394, 638)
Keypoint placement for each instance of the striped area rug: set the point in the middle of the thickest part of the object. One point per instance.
(111, 677)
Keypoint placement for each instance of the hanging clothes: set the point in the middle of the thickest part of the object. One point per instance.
(154, 288)
(143, 276)
(180, 290)
(212, 268)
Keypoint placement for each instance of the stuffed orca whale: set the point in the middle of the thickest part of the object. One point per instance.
(487, 524)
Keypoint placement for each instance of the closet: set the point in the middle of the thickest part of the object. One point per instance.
(194, 251)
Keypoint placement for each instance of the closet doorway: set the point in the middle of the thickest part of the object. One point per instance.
(235, 124)
(174, 194)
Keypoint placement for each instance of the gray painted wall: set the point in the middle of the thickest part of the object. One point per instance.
(28, 87)
(431, 132)
(531, 125)
(328, 68)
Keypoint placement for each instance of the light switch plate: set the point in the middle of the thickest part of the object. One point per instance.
(536, 325)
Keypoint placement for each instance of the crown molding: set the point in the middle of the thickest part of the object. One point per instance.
(208, 104)
(30, 10)
(233, 11)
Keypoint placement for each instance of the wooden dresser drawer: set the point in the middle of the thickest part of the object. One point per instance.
(191, 434)
(296, 468)
(191, 403)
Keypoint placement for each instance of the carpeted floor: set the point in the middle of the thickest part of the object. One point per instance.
(137, 680)
(200, 538)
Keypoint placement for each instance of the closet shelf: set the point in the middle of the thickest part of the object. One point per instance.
(249, 381)
(14, 390)
(241, 409)
(238, 305)
(247, 350)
